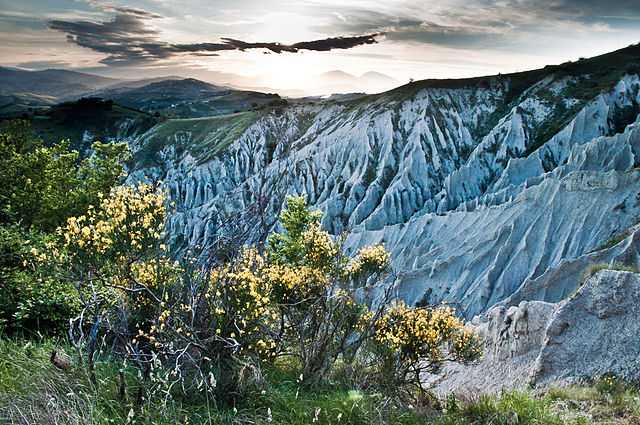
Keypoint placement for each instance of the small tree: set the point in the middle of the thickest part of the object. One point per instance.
(313, 282)
(115, 258)
(42, 187)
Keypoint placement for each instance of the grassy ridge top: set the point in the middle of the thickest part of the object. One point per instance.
(603, 70)
(204, 138)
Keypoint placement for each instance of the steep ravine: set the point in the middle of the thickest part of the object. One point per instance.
(455, 181)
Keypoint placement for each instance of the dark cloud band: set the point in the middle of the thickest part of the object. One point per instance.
(126, 39)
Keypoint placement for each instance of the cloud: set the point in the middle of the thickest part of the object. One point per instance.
(589, 7)
(128, 39)
(442, 28)
(323, 45)
(491, 24)
(132, 11)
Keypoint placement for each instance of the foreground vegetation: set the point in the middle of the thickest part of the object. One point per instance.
(33, 391)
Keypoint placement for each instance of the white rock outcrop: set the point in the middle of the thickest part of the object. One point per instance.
(592, 333)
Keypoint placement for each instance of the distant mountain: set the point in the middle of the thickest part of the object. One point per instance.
(57, 83)
(342, 82)
(29, 92)
(187, 98)
(64, 85)
(156, 89)
(373, 77)
(132, 84)
(338, 77)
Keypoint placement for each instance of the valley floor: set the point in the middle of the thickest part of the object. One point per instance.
(33, 391)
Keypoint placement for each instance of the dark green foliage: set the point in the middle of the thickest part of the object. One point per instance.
(287, 247)
(622, 117)
(42, 187)
(558, 120)
(30, 300)
(87, 120)
(45, 185)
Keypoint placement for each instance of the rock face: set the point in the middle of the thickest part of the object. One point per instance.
(592, 333)
(487, 191)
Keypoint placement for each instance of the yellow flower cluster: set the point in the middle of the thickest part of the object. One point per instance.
(320, 249)
(466, 345)
(240, 298)
(130, 218)
(155, 275)
(420, 333)
(370, 259)
(295, 284)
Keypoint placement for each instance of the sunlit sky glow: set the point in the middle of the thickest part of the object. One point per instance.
(422, 39)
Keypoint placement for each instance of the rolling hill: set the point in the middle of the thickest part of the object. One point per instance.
(187, 98)
(56, 83)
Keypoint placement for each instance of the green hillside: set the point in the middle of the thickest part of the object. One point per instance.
(203, 138)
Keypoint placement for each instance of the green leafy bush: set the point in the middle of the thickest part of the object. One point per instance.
(42, 186)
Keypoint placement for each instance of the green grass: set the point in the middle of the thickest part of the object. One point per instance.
(509, 409)
(595, 268)
(607, 400)
(32, 388)
(33, 391)
(204, 138)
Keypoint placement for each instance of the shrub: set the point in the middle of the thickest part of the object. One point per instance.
(31, 300)
(42, 187)
(198, 330)
(313, 282)
(212, 330)
(410, 341)
(609, 385)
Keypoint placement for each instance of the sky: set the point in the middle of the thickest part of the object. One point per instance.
(288, 44)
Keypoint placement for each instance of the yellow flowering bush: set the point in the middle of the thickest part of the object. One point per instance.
(295, 285)
(408, 341)
(209, 326)
(370, 259)
(421, 333)
(312, 280)
(127, 223)
(115, 251)
(319, 248)
(42, 185)
(239, 298)
(115, 258)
